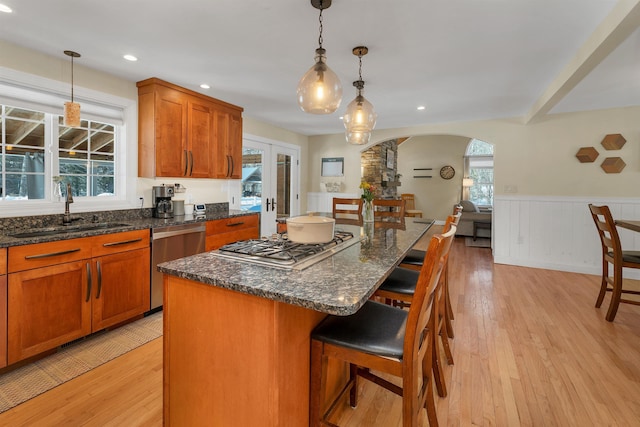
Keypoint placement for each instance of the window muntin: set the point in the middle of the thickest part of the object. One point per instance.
(87, 157)
(479, 167)
(23, 154)
(84, 156)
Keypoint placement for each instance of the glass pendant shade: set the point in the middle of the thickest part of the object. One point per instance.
(319, 90)
(359, 120)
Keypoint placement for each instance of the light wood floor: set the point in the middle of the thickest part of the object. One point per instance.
(530, 350)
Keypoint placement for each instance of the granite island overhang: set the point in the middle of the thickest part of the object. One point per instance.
(236, 335)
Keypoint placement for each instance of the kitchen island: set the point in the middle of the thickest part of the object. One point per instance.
(236, 334)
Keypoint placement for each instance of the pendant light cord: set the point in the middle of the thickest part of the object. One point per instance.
(71, 78)
(320, 20)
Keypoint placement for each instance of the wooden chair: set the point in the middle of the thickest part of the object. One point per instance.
(388, 209)
(400, 287)
(413, 260)
(384, 339)
(613, 254)
(347, 208)
(410, 205)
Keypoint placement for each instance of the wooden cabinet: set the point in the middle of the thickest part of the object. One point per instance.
(228, 130)
(121, 264)
(222, 231)
(184, 133)
(61, 291)
(3, 307)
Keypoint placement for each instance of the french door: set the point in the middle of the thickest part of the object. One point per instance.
(270, 181)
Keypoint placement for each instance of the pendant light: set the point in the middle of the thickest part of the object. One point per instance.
(72, 109)
(320, 90)
(360, 119)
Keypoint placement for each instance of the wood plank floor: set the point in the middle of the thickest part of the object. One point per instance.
(530, 350)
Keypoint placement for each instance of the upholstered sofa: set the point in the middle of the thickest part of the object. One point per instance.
(470, 214)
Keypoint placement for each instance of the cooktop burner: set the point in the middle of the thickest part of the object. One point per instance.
(282, 253)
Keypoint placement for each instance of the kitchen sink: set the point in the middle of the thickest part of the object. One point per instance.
(51, 231)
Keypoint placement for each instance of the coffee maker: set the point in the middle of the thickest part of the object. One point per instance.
(161, 200)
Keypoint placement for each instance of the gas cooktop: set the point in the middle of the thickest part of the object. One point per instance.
(279, 252)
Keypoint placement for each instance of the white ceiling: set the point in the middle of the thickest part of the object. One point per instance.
(463, 59)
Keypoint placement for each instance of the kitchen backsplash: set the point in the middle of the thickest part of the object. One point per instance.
(12, 224)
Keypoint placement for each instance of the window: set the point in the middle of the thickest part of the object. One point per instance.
(86, 157)
(479, 167)
(83, 156)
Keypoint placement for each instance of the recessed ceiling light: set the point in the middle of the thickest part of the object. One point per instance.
(130, 58)
(421, 107)
(205, 86)
(4, 8)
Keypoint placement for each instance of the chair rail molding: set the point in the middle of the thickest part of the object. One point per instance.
(557, 233)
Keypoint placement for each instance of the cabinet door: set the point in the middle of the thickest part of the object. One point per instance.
(48, 307)
(171, 133)
(200, 140)
(122, 288)
(234, 145)
(228, 143)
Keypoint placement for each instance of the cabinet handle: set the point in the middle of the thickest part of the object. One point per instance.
(235, 224)
(191, 162)
(70, 251)
(186, 163)
(267, 205)
(88, 283)
(99, 280)
(273, 204)
(124, 242)
(232, 166)
(228, 165)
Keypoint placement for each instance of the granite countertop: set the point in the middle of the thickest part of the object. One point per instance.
(339, 284)
(113, 222)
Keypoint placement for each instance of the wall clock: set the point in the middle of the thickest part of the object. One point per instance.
(447, 172)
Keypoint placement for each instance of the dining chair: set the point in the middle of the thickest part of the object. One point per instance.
(388, 209)
(410, 205)
(387, 340)
(612, 254)
(347, 208)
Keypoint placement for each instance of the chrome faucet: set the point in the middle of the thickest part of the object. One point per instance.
(66, 219)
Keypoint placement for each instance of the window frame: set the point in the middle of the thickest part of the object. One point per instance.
(45, 93)
(468, 166)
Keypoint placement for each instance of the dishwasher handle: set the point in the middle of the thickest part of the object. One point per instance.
(165, 232)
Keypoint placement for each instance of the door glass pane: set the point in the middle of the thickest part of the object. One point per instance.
(283, 192)
(252, 160)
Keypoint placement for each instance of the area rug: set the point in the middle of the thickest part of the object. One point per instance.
(75, 359)
(480, 242)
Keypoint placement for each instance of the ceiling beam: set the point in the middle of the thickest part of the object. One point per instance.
(623, 20)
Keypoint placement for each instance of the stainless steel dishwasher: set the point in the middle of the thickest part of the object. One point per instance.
(169, 243)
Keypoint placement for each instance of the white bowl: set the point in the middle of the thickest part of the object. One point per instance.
(310, 229)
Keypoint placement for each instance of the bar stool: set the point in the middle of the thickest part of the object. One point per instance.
(613, 254)
(401, 285)
(385, 339)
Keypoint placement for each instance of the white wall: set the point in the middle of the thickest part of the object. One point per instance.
(434, 196)
(538, 161)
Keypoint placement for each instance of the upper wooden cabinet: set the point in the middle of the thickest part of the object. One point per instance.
(184, 133)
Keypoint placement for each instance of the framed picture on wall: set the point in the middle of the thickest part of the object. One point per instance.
(332, 166)
(391, 159)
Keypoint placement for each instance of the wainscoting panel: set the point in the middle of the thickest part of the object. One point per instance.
(557, 233)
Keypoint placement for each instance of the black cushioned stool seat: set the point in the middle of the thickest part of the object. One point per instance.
(414, 257)
(401, 280)
(376, 329)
